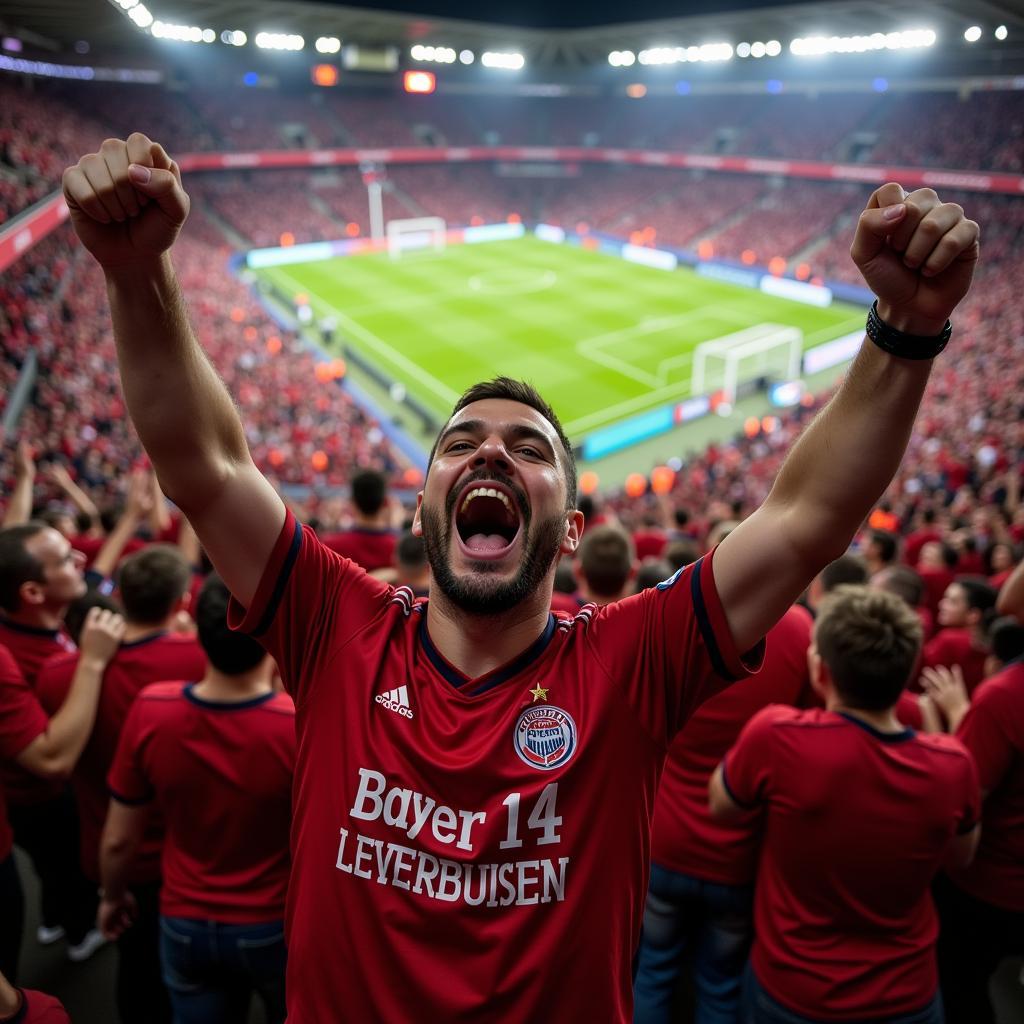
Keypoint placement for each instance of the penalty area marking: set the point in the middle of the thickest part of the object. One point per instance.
(357, 330)
(512, 281)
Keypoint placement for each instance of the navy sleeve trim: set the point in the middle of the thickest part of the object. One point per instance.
(732, 795)
(704, 623)
(121, 799)
(282, 581)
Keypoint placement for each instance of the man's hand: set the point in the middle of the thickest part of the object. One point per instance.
(101, 635)
(946, 689)
(139, 500)
(109, 193)
(114, 917)
(24, 463)
(917, 255)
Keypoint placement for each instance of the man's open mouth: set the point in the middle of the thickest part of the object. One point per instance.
(487, 520)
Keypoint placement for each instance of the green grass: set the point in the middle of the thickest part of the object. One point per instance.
(603, 339)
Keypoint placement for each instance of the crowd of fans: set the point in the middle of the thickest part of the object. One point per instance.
(947, 538)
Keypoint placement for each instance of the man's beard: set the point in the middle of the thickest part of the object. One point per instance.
(478, 595)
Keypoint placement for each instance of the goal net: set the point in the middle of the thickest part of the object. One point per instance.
(764, 350)
(417, 233)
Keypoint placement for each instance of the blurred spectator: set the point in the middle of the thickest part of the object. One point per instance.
(605, 565)
(964, 614)
(369, 541)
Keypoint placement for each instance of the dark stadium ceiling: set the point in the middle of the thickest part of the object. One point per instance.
(57, 24)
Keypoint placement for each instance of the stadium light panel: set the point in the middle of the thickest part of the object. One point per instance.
(423, 82)
(817, 46)
(1000, 33)
(182, 33)
(757, 50)
(467, 57)
(659, 55)
(973, 34)
(503, 61)
(279, 41)
(234, 37)
(743, 50)
(141, 16)
(773, 48)
(328, 44)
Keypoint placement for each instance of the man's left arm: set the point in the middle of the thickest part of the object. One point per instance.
(917, 255)
(123, 833)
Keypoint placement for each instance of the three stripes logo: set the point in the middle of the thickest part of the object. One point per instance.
(396, 700)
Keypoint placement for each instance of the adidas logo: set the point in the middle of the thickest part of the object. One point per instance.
(396, 700)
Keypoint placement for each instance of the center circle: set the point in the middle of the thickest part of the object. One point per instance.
(512, 281)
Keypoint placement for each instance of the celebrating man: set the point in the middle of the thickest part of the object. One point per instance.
(475, 777)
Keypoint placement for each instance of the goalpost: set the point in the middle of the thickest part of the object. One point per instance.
(747, 355)
(416, 233)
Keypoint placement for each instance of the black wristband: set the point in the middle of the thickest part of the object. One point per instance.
(905, 346)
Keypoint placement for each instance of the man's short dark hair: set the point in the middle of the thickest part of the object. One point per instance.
(151, 582)
(565, 578)
(410, 551)
(229, 652)
(980, 596)
(606, 559)
(846, 569)
(17, 564)
(369, 491)
(869, 640)
(681, 553)
(1006, 638)
(525, 394)
(902, 581)
(652, 572)
(886, 543)
(74, 617)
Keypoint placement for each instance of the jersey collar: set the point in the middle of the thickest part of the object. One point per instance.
(21, 627)
(475, 687)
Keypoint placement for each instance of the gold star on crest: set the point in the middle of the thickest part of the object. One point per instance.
(539, 693)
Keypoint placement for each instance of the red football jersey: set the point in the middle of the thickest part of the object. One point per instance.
(39, 1008)
(856, 824)
(908, 710)
(221, 773)
(154, 659)
(22, 719)
(649, 543)
(953, 646)
(31, 647)
(993, 731)
(568, 604)
(485, 841)
(685, 837)
(372, 549)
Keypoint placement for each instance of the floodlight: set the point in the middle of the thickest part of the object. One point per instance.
(757, 49)
(773, 48)
(141, 16)
(419, 81)
(1000, 33)
(328, 44)
(467, 56)
(743, 49)
(279, 41)
(973, 34)
(504, 61)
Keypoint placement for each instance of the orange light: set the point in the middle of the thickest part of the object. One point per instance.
(237, 314)
(649, 233)
(275, 457)
(705, 250)
(324, 74)
(352, 229)
(803, 271)
(636, 238)
(636, 484)
(273, 344)
(338, 369)
(323, 372)
(636, 91)
(412, 477)
(662, 479)
(751, 426)
(588, 482)
(582, 228)
(769, 424)
(287, 238)
(476, 220)
(777, 266)
(419, 81)
(748, 256)
(319, 461)
(514, 218)
(589, 242)
(807, 400)
(250, 334)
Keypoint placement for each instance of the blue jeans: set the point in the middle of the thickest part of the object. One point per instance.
(704, 923)
(211, 969)
(760, 1008)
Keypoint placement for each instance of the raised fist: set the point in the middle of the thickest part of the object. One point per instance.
(917, 254)
(126, 201)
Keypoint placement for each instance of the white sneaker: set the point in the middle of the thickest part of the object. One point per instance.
(93, 940)
(48, 936)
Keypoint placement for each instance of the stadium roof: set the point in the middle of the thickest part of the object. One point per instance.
(55, 24)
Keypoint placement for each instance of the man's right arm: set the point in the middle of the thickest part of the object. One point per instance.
(127, 206)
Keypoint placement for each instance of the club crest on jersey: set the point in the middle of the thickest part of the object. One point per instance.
(545, 737)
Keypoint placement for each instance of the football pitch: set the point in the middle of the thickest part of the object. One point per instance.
(602, 338)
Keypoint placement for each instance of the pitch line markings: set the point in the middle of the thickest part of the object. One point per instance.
(366, 335)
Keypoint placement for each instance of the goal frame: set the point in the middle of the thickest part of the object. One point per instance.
(741, 345)
(426, 232)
